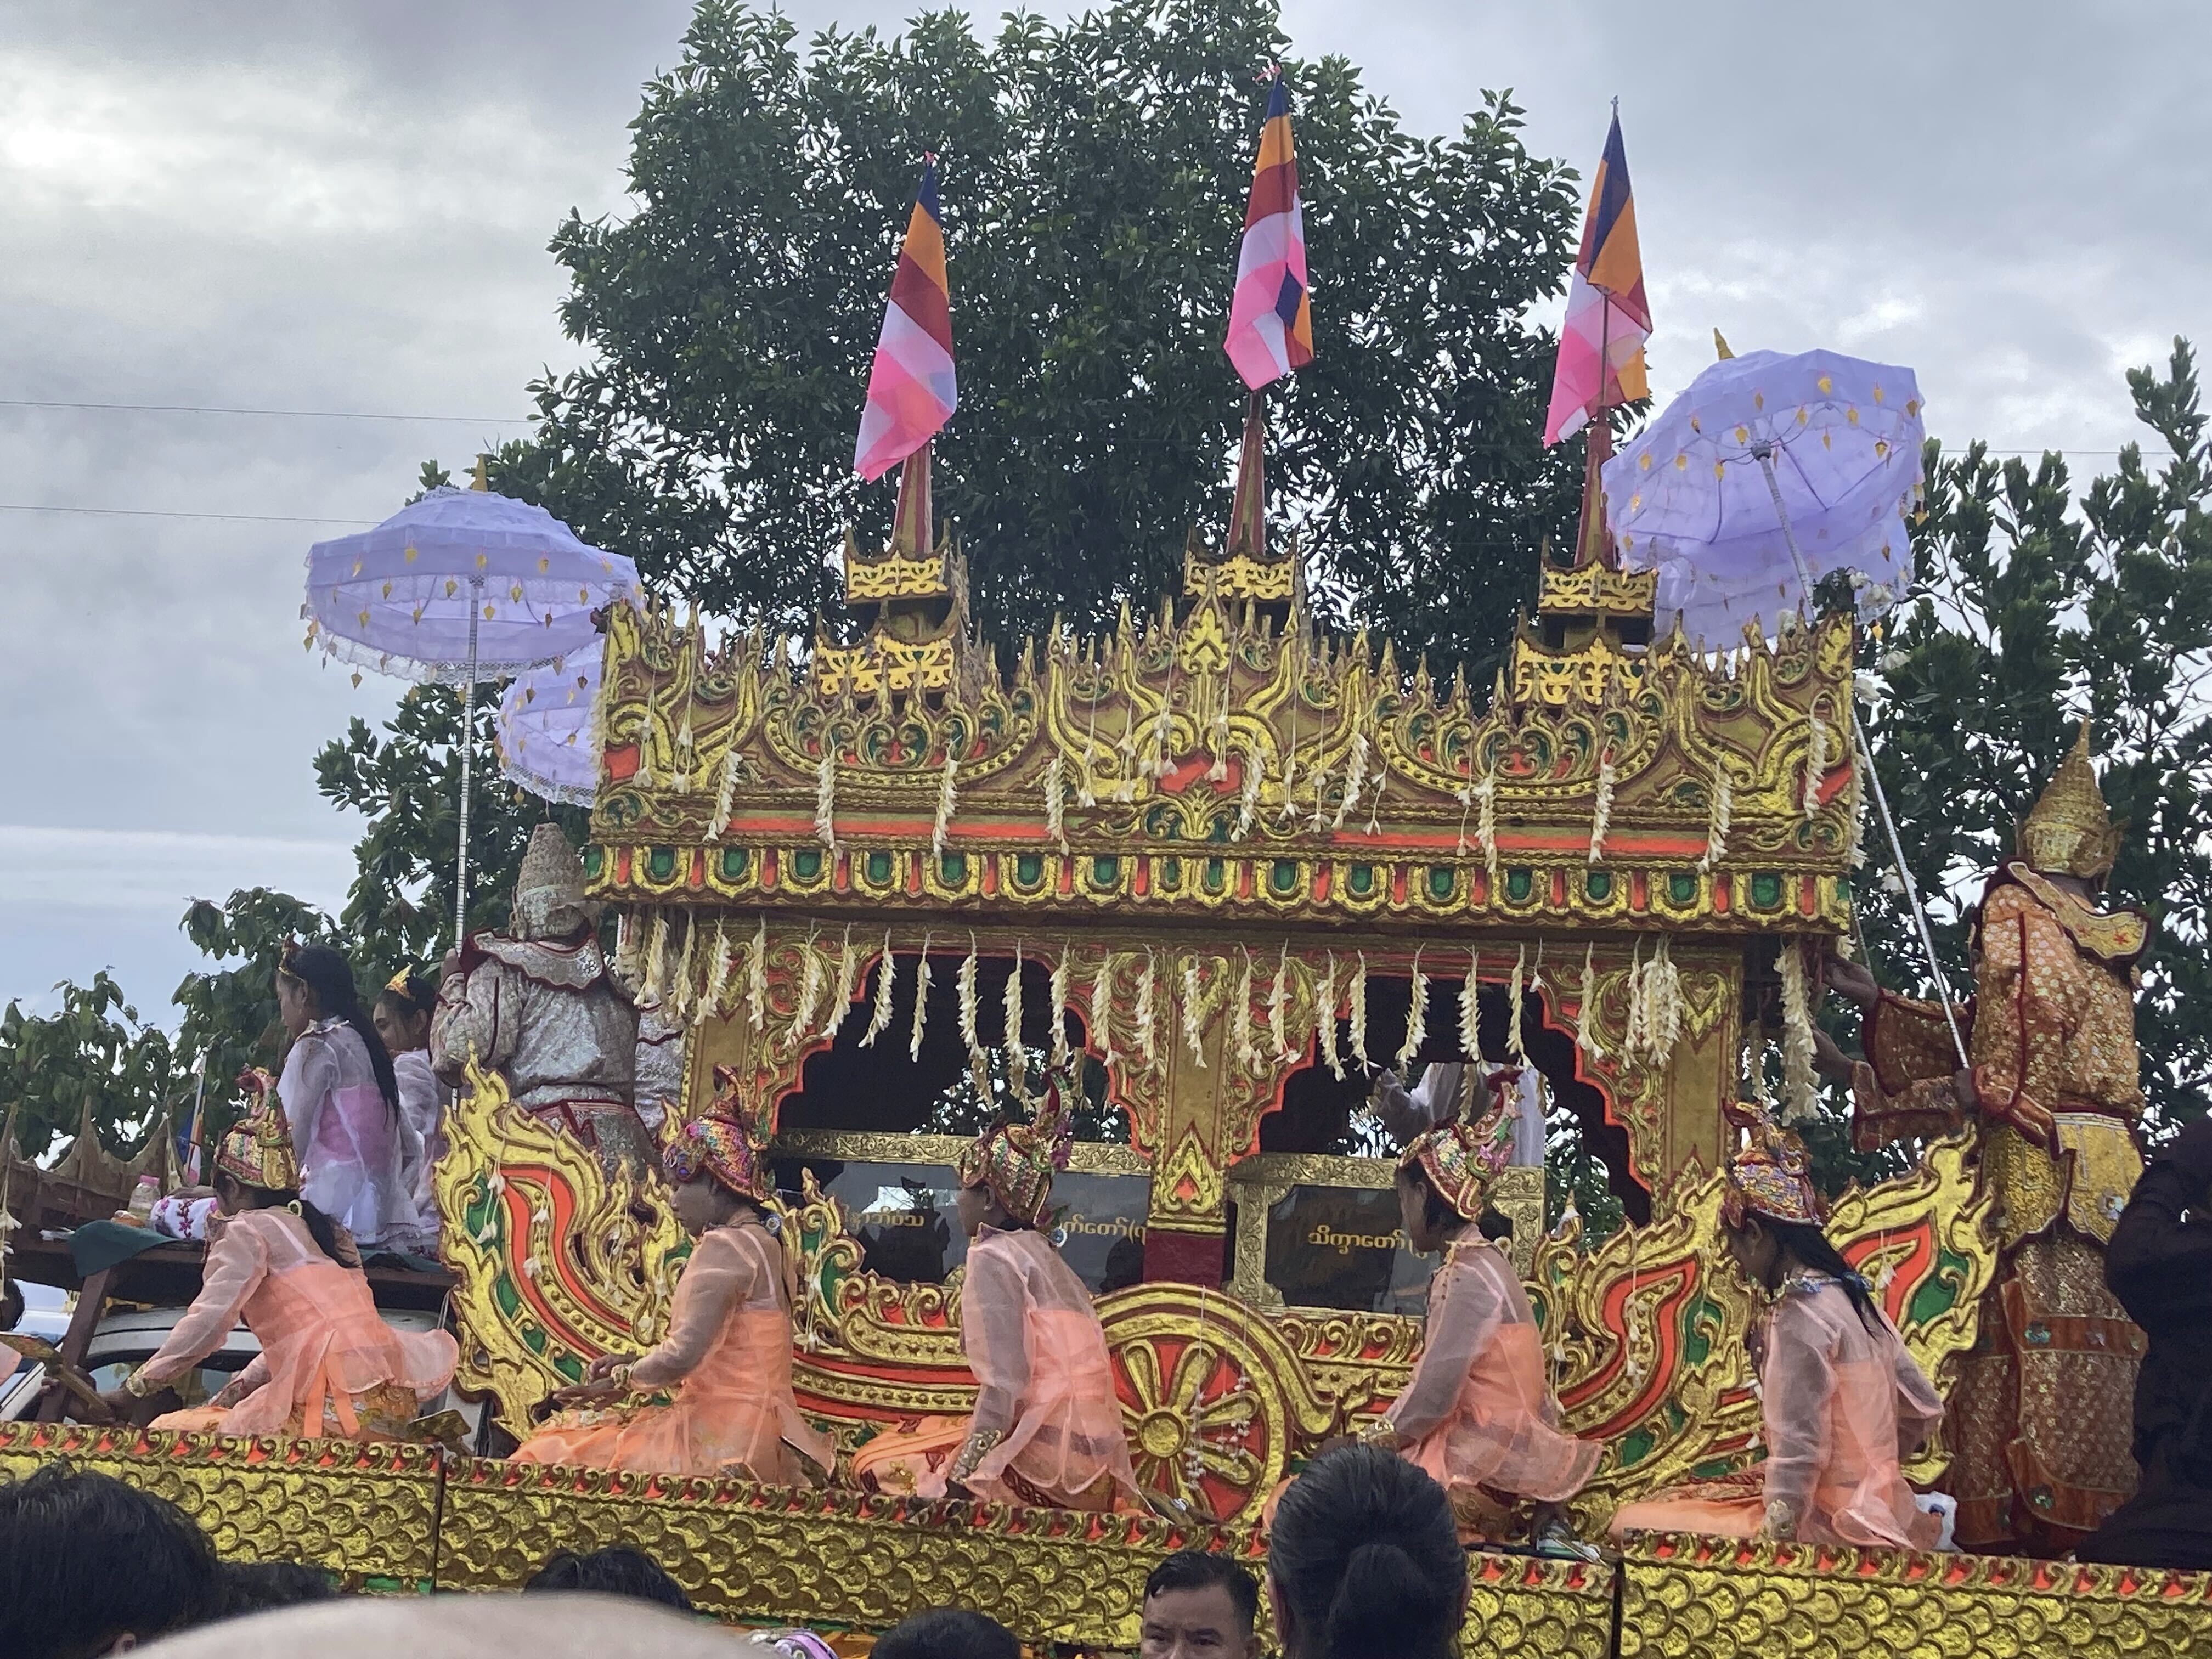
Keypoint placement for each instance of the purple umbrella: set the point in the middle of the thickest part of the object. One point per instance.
(459, 585)
(548, 727)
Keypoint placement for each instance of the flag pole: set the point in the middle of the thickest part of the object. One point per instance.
(1764, 453)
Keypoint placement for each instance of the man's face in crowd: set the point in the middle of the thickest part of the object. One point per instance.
(1196, 1624)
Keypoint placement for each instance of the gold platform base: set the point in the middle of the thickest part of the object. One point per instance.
(401, 1518)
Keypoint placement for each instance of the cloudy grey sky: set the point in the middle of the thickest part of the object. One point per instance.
(345, 206)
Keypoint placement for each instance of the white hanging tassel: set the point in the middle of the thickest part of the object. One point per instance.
(1470, 1008)
(1191, 997)
(679, 782)
(948, 798)
(1325, 1018)
(1240, 1020)
(1632, 1027)
(1219, 739)
(1359, 1011)
(726, 796)
(757, 979)
(1147, 1011)
(1355, 769)
(629, 948)
(1061, 1052)
(1055, 804)
(1485, 827)
(1417, 1019)
(811, 984)
(1716, 829)
(1164, 731)
(1017, 1058)
(1588, 1031)
(825, 800)
(1662, 1004)
(656, 958)
(1513, 992)
(1101, 1034)
(1247, 798)
(848, 980)
(718, 972)
(1278, 1036)
(879, 1017)
(920, 1001)
(682, 1003)
(1797, 1084)
(1602, 813)
(1816, 761)
(967, 983)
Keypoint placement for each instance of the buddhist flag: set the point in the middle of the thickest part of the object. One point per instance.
(1270, 321)
(911, 389)
(1601, 344)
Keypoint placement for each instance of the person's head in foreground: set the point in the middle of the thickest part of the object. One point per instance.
(458, 1628)
(1364, 1561)
(1199, 1607)
(90, 1566)
(616, 1571)
(947, 1633)
(258, 1586)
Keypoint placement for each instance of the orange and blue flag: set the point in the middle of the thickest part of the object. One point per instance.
(1271, 316)
(1601, 342)
(911, 388)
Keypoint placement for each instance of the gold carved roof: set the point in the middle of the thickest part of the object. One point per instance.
(1208, 764)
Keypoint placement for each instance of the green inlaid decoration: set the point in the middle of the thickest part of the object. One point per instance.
(952, 868)
(1598, 884)
(880, 867)
(1028, 869)
(1681, 887)
(595, 860)
(807, 863)
(1442, 880)
(1519, 884)
(734, 859)
(1105, 871)
(1361, 879)
(1283, 879)
(1767, 890)
(660, 863)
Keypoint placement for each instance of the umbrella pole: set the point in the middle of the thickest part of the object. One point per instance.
(1765, 455)
(468, 752)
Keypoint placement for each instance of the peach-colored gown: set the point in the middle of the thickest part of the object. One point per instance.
(328, 1366)
(1843, 1407)
(728, 1355)
(1034, 1342)
(1478, 1409)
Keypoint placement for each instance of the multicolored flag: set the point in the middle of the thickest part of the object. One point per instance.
(1270, 319)
(911, 391)
(1601, 344)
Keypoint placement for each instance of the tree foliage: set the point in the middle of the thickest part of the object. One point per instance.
(1095, 175)
(93, 1057)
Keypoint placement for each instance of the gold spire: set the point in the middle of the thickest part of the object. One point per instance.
(2069, 831)
(1720, 345)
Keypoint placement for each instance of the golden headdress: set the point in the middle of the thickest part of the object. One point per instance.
(1462, 1159)
(725, 1141)
(2069, 831)
(1770, 1174)
(258, 1149)
(1016, 1161)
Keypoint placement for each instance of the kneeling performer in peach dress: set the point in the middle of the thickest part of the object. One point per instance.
(328, 1366)
(728, 1350)
(1046, 1429)
(1479, 1414)
(1844, 1404)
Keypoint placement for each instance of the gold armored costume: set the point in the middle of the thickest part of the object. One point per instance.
(2039, 1416)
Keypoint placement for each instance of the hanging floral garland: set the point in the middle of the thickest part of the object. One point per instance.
(879, 1017)
(1797, 1084)
(1662, 1004)
(1587, 1028)
(1470, 1008)
(656, 958)
(1359, 1011)
(1240, 1019)
(1816, 759)
(1148, 1010)
(726, 796)
(1514, 1045)
(948, 800)
(921, 1001)
(1716, 828)
(1602, 813)
(757, 979)
(811, 984)
(718, 971)
(825, 799)
(1102, 1005)
(966, 981)
(1017, 1058)
(1325, 1018)
(1417, 1018)
(1056, 806)
(841, 997)
(1061, 1053)
(1278, 1036)
(1192, 996)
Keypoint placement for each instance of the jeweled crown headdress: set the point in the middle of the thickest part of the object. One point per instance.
(258, 1149)
(1770, 1174)
(1461, 1159)
(550, 883)
(2069, 831)
(1016, 1161)
(726, 1141)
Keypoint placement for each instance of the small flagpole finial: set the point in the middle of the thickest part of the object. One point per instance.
(1720, 345)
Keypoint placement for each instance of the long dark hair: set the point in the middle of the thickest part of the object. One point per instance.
(330, 976)
(329, 1238)
(411, 993)
(1811, 1247)
(1367, 1557)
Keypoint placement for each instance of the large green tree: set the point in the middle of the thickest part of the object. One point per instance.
(1094, 179)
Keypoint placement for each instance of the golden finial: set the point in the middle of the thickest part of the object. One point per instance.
(481, 478)
(2069, 831)
(1720, 345)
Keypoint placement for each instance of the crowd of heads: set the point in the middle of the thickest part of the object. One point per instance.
(1363, 1562)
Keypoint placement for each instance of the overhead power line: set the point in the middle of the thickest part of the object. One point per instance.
(285, 414)
(160, 513)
